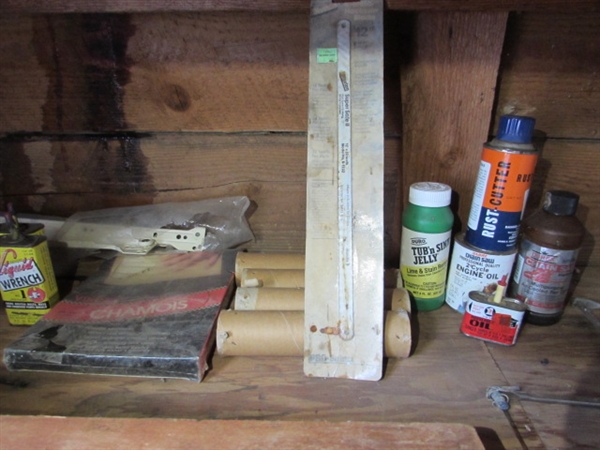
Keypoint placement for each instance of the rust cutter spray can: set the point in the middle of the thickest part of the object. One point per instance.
(492, 317)
(503, 182)
(27, 280)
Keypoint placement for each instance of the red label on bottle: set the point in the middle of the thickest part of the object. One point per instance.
(542, 277)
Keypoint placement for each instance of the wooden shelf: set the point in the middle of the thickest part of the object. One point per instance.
(127, 6)
(215, 105)
(149, 434)
(445, 381)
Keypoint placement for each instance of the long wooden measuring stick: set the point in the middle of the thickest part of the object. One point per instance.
(344, 242)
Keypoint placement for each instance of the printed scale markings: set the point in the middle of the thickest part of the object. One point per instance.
(345, 207)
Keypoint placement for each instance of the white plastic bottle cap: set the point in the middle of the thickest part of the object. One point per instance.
(430, 194)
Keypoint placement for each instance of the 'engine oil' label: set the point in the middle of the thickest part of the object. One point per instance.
(424, 262)
(474, 270)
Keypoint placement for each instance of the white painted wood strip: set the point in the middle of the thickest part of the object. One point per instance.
(344, 243)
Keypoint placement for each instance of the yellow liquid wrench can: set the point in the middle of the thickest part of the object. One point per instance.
(27, 281)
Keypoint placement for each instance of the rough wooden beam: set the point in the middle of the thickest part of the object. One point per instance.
(448, 88)
(99, 433)
(69, 6)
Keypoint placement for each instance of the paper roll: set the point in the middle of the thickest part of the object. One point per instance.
(260, 333)
(278, 299)
(276, 278)
(281, 333)
(266, 261)
(258, 260)
(291, 299)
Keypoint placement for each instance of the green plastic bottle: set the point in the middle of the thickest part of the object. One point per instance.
(425, 244)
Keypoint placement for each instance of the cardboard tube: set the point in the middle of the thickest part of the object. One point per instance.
(298, 272)
(281, 333)
(281, 278)
(245, 260)
(258, 260)
(290, 299)
(278, 299)
(260, 333)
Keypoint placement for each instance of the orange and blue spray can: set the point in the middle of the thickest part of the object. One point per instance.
(503, 182)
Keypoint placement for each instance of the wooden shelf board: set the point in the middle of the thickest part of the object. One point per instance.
(128, 6)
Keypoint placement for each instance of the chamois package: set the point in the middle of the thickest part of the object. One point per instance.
(148, 316)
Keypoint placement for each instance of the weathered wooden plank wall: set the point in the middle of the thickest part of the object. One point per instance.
(70, 6)
(551, 70)
(448, 91)
(100, 110)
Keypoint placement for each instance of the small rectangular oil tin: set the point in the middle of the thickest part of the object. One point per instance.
(490, 321)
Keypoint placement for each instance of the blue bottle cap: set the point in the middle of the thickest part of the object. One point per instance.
(518, 129)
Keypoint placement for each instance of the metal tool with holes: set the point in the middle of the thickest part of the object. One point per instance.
(344, 242)
(132, 240)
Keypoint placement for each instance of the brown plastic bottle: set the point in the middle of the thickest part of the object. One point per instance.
(548, 249)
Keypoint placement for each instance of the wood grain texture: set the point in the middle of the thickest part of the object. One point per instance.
(444, 380)
(22, 101)
(67, 75)
(102, 433)
(213, 71)
(199, 71)
(180, 66)
(62, 6)
(62, 177)
(65, 175)
(572, 165)
(561, 362)
(551, 70)
(448, 86)
(491, 5)
(546, 59)
(433, 385)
